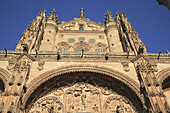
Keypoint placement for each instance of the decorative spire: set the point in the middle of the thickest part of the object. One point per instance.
(42, 13)
(82, 13)
(109, 17)
(118, 15)
(52, 15)
(123, 14)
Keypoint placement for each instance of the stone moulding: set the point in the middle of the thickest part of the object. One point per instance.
(82, 68)
(4, 76)
(162, 75)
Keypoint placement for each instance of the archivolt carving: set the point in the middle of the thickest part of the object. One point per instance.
(4, 76)
(81, 68)
(162, 75)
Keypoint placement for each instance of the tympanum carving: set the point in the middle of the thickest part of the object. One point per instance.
(82, 97)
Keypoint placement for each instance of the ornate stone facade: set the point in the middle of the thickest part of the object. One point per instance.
(81, 66)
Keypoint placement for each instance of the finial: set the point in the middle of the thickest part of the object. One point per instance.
(123, 14)
(42, 13)
(82, 13)
(53, 11)
(117, 13)
(108, 17)
(52, 15)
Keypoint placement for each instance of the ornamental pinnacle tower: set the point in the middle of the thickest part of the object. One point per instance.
(81, 66)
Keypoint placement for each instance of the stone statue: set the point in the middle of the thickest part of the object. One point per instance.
(82, 13)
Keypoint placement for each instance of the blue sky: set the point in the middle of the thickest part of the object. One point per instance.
(151, 21)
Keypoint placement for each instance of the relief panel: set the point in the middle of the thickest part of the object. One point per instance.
(82, 98)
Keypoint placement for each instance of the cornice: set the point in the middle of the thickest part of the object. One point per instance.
(87, 57)
(78, 31)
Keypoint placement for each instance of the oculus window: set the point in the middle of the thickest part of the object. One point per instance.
(81, 28)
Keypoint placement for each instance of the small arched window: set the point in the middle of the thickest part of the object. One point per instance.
(71, 41)
(91, 41)
(81, 39)
(81, 28)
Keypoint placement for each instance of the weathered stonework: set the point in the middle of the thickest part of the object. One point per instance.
(81, 66)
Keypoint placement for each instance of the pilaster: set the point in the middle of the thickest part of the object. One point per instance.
(155, 99)
(16, 87)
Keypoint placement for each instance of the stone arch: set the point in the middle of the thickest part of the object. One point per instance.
(4, 76)
(127, 81)
(163, 75)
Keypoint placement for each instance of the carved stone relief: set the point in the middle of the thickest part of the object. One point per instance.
(82, 97)
(154, 66)
(126, 66)
(41, 65)
(69, 26)
(49, 104)
(11, 63)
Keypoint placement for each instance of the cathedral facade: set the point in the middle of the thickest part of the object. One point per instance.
(81, 66)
